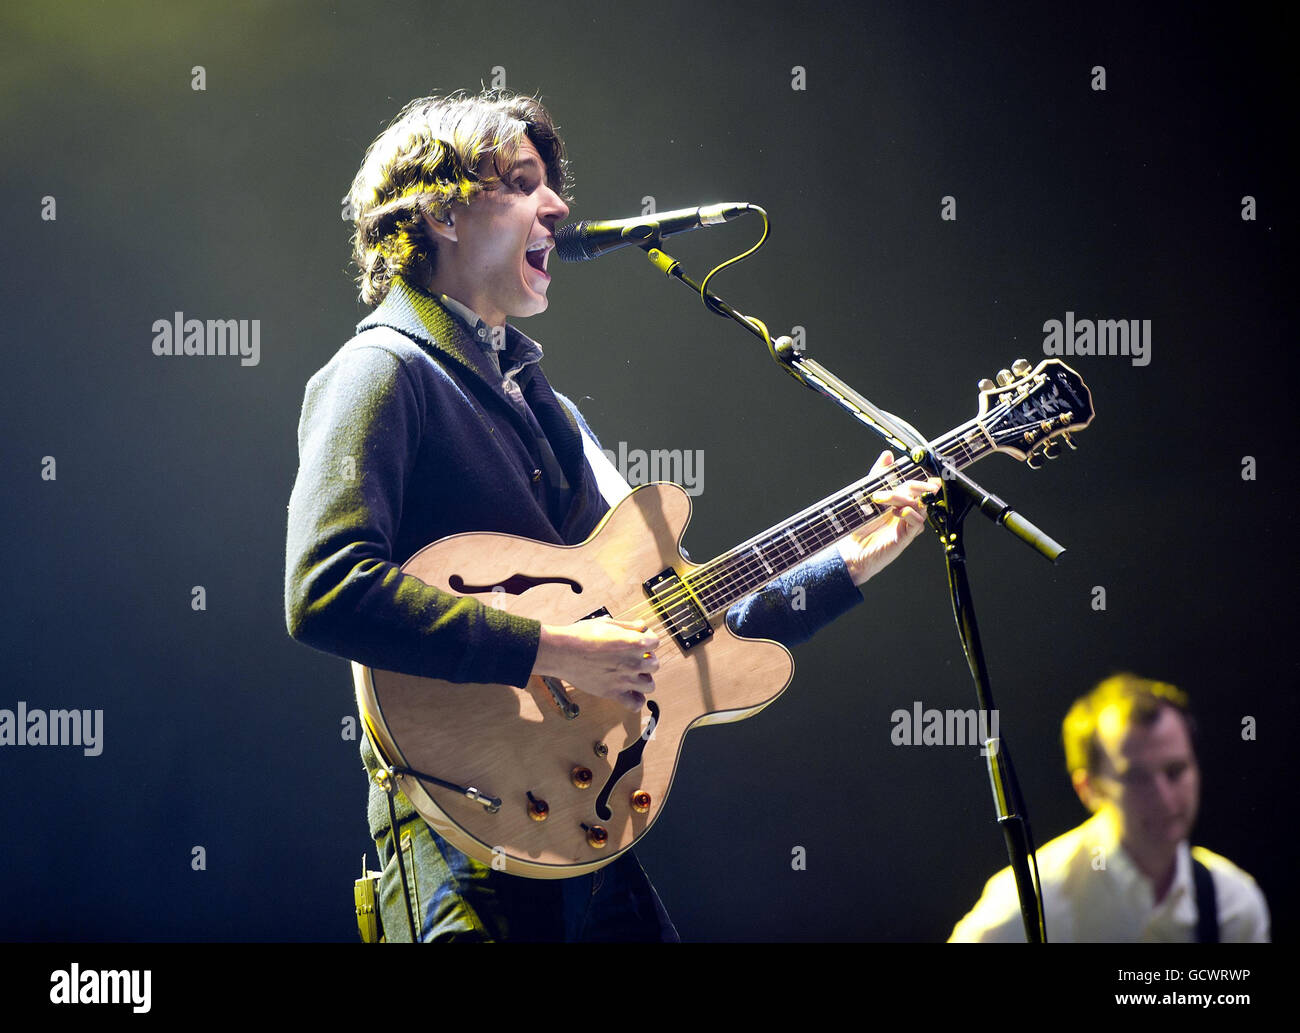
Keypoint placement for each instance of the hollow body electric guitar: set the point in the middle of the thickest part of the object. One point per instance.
(549, 783)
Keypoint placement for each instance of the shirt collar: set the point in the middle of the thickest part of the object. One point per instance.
(520, 349)
(478, 329)
(424, 317)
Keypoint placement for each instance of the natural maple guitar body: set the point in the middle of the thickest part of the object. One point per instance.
(550, 783)
(522, 737)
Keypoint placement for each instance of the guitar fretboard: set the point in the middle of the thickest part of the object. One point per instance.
(749, 566)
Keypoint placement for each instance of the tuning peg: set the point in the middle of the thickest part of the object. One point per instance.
(1052, 449)
(1034, 460)
(1020, 367)
(1005, 377)
(1070, 441)
(986, 384)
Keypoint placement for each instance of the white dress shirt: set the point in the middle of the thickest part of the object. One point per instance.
(1094, 893)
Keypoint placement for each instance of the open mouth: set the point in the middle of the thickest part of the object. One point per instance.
(538, 253)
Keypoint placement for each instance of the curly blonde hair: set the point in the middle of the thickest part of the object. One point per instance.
(430, 157)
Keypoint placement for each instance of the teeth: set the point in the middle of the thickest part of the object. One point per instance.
(544, 243)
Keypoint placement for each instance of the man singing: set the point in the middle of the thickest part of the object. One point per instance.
(436, 419)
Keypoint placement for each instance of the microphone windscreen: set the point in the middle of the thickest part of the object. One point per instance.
(569, 245)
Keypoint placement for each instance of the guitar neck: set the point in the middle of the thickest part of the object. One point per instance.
(751, 565)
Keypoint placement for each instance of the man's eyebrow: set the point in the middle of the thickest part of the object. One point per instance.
(527, 160)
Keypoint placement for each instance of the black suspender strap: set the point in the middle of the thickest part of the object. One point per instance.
(1207, 904)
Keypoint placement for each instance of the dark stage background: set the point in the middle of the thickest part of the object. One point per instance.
(221, 732)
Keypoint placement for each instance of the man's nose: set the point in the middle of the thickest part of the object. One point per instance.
(554, 207)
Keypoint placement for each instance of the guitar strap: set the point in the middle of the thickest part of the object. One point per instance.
(1207, 904)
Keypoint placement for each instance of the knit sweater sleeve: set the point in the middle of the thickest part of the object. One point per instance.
(358, 441)
(799, 603)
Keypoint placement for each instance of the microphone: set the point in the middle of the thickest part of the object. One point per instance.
(583, 241)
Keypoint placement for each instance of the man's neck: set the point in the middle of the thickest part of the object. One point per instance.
(464, 297)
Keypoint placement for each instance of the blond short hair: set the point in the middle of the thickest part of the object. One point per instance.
(1140, 701)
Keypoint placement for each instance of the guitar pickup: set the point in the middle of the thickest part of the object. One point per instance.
(678, 608)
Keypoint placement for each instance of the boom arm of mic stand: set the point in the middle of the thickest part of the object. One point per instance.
(898, 433)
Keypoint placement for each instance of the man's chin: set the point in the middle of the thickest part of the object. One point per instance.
(1172, 833)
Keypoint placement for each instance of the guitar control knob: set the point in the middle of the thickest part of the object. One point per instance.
(537, 809)
(986, 385)
(581, 777)
(641, 801)
(597, 837)
(1005, 377)
(1020, 367)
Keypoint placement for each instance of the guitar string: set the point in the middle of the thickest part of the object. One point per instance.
(725, 568)
(738, 565)
(731, 567)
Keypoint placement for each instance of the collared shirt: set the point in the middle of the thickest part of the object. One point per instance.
(1093, 892)
(525, 351)
(520, 351)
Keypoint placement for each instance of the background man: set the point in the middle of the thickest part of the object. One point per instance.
(1127, 874)
(436, 419)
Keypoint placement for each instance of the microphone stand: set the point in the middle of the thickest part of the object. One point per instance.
(957, 496)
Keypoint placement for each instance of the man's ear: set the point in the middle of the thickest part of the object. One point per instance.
(442, 230)
(1084, 789)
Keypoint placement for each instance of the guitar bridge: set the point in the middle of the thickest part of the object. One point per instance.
(677, 606)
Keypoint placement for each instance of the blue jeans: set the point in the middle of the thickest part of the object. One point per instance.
(457, 899)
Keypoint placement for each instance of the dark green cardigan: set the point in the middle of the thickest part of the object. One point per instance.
(406, 437)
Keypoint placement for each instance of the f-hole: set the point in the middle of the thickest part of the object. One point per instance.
(629, 758)
(515, 584)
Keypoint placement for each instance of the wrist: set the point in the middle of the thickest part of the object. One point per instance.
(550, 643)
(851, 554)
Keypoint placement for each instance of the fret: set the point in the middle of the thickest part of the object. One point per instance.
(759, 561)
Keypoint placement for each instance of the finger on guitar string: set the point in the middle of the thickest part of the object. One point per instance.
(603, 656)
(907, 496)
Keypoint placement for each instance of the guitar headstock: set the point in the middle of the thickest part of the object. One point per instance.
(1027, 410)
